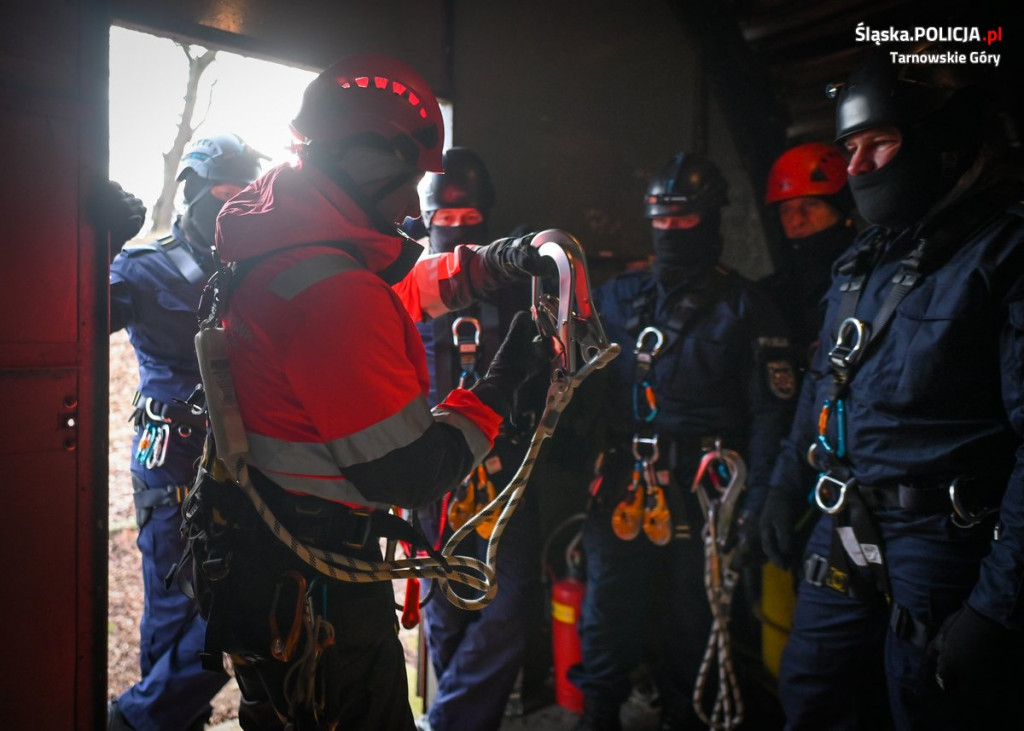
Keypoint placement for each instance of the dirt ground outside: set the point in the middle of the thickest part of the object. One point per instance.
(124, 586)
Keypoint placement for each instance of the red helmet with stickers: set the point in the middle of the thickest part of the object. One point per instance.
(813, 169)
(375, 98)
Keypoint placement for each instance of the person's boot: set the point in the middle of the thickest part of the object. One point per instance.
(598, 715)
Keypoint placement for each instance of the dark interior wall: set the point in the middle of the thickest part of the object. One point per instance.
(574, 105)
(571, 104)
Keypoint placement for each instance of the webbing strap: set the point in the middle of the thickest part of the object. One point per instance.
(182, 259)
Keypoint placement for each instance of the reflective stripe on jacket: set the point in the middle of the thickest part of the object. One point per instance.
(329, 369)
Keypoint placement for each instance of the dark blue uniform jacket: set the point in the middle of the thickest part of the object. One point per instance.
(940, 394)
(728, 375)
(157, 305)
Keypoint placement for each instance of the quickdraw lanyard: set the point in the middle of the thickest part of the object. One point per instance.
(644, 505)
(718, 484)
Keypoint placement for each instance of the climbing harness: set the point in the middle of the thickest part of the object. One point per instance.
(726, 472)
(856, 540)
(580, 347)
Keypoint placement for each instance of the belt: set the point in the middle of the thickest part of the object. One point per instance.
(156, 497)
(932, 499)
(335, 526)
(969, 499)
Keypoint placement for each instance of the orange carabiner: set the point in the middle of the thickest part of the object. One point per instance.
(486, 526)
(282, 649)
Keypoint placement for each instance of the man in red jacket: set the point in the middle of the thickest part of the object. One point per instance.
(331, 381)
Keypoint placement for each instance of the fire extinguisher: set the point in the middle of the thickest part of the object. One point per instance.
(566, 607)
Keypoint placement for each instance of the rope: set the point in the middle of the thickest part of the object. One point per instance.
(466, 570)
(727, 709)
(555, 318)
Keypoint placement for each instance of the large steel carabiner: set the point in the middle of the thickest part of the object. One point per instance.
(580, 341)
(721, 507)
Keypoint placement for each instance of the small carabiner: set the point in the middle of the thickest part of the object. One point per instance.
(152, 414)
(652, 442)
(962, 516)
(851, 338)
(457, 324)
(826, 484)
(659, 340)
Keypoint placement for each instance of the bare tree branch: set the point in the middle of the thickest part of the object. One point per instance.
(164, 206)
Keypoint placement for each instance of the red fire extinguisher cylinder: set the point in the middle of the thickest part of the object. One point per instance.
(566, 607)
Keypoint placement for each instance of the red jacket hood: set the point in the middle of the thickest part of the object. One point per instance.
(292, 205)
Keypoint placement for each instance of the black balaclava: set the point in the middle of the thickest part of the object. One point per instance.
(900, 192)
(681, 253)
(446, 238)
(199, 221)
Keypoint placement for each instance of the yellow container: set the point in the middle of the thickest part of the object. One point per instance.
(778, 600)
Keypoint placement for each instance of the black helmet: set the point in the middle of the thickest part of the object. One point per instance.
(686, 184)
(464, 184)
(223, 159)
(880, 93)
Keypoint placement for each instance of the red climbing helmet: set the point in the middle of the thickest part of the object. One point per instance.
(374, 98)
(813, 169)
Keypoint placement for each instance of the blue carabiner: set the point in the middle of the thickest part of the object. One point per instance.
(840, 449)
(652, 408)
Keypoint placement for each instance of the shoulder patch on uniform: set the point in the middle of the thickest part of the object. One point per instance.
(781, 379)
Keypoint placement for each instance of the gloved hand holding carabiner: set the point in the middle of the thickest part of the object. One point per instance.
(514, 259)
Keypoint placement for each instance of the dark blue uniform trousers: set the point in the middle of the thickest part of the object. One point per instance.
(476, 655)
(174, 690)
(642, 602)
(832, 667)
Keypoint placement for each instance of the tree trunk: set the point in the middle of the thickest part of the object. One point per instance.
(164, 206)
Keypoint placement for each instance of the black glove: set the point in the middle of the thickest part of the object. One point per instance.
(782, 509)
(973, 652)
(748, 539)
(117, 211)
(521, 356)
(514, 259)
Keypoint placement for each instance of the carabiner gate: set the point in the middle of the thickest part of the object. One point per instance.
(570, 318)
